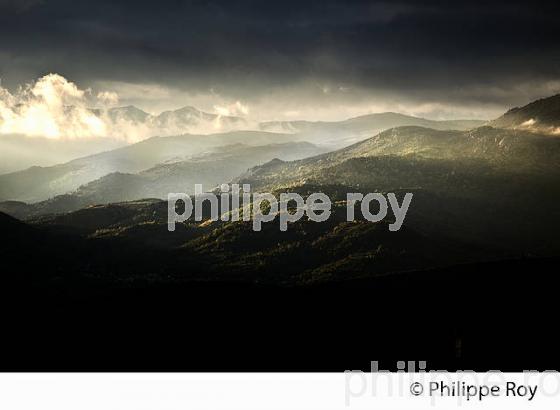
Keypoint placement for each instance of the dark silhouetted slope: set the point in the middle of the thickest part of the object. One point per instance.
(539, 116)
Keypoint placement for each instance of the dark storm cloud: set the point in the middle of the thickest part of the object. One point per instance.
(431, 50)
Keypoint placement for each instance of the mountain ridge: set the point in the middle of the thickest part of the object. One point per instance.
(542, 115)
(518, 150)
(62, 178)
(40, 183)
(209, 169)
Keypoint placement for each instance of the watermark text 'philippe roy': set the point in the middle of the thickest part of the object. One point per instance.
(317, 206)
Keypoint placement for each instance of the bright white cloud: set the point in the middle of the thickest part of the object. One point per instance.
(108, 98)
(237, 109)
(52, 107)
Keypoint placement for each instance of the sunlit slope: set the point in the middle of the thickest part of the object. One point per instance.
(40, 183)
(487, 186)
(213, 168)
(507, 150)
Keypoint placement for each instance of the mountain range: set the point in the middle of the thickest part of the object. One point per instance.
(480, 194)
(18, 152)
(41, 183)
(512, 150)
(493, 187)
(340, 133)
(172, 122)
(210, 169)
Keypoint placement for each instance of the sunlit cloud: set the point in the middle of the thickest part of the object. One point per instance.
(534, 126)
(108, 98)
(52, 107)
(56, 108)
(235, 109)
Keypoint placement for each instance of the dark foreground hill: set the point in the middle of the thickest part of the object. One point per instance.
(308, 252)
(74, 303)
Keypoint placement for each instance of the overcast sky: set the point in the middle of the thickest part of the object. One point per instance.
(291, 59)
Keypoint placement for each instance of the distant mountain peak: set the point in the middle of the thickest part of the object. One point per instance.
(183, 110)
